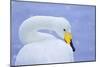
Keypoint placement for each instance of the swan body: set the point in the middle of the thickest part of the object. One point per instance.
(42, 48)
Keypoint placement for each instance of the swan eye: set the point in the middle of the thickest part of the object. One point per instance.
(64, 29)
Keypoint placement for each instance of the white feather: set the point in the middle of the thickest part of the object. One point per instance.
(43, 48)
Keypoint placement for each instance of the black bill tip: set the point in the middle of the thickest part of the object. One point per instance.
(72, 46)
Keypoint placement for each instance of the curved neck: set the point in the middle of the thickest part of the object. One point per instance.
(28, 31)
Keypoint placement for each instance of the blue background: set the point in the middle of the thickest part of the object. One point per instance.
(82, 20)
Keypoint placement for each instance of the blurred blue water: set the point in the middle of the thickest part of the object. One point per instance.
(82, 20)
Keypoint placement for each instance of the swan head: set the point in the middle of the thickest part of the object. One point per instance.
(63, 29)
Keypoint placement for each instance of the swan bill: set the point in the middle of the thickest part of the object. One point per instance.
(68, 40)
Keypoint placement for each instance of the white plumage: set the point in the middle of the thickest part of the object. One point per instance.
(42, 48)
